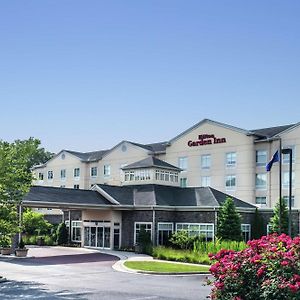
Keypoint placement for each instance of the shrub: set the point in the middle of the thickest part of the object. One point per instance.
(189, 256)
(21, 244)
(32, 240)
(34, 222)
(215, 246)
(229, 222)
(48, 240)
(144, 243)
(269, 269)
(62, 234)
(182, 240)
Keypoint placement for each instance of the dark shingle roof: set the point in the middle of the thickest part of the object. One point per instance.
(160, 195)
(155, 147)
(151, 162)
(88, 156)
(271, 131)
(133, 195)
(56, 196)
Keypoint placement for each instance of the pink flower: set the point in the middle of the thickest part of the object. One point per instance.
(293, 288)
(284, 263)
(261, 271)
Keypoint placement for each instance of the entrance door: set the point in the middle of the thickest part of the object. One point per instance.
(106, 237)
(93, 237)
(100, 236)
(97, 236)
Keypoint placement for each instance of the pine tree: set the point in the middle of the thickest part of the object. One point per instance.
(62, 234)
(257, 225)
(229, 222)
(274, 221)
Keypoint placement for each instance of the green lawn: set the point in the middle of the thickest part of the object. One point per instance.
(164, 267)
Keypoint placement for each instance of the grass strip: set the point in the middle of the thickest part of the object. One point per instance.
(164, 267)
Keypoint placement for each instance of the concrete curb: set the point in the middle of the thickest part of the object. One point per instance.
(120, 267)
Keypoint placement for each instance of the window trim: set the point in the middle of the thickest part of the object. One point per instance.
(142, 223)
(231, 187)
(91, 171)
(198, 224)
(261, 187)
(52, 173)
(75, 175)
(229, 162)
(205, 166)
(261, 164)
(183, 160)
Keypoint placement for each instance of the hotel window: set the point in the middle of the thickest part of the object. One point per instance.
(286, 201)
(231, 159)
(157, 173)
(50, 175)
(77, 172)
(41, 176)
(246, 232)
(205, 230)
(261, 200)
(286, 157)
(183, 182)
(261, 181)
(183, 163)
(76, 186)
(205, 161)
(165, 231)
(63, 174)
(286, 179)
(176, 177)
(106, 170)
(205, 181)
(76, 231)
(261, 157)
(138, 226)
(230, 182)
(94, 171)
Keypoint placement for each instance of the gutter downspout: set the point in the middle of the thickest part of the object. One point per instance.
(153, 227)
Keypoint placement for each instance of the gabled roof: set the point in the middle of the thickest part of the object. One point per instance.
(88, 156)
(58, 196)
(134, 196)
(160, 195)
(151, 162)
(210, 122)
(266, 133)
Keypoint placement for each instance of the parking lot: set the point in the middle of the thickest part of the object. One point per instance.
(77, 273)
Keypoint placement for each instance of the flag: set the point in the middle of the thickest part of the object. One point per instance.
(274, 158)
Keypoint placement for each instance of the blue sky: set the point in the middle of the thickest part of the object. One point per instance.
(84, 75)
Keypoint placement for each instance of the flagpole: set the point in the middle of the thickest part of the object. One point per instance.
(280, 184)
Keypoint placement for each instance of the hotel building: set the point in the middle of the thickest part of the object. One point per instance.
(194, 171)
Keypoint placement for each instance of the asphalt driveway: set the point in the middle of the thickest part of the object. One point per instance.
(76, 273)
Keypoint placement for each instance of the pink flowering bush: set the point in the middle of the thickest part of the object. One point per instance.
(268, 269)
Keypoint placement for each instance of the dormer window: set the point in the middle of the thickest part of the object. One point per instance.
(151, 170)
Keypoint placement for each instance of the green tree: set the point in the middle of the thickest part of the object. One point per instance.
(62, 234)
(15, 181)
(34, 222)
(229, 222)
(257, 225)
(274, 221)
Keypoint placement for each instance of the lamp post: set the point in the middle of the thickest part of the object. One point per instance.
(290, 152)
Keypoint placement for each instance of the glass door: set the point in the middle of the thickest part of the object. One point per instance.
(106, 237)
(100, 236)
(93, 237)
(86, 236)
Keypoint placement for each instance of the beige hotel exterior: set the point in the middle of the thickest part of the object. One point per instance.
(210, 153)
